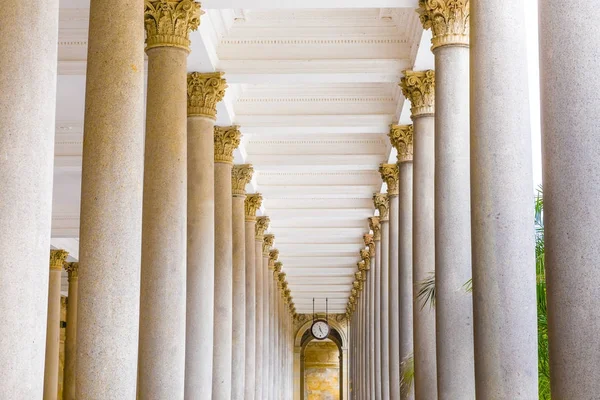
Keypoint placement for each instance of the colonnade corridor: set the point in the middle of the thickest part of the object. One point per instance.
(285, 200)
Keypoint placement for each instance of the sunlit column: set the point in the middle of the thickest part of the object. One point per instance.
(504, 276)
(380, 200)
(375, 226)
(72, 269)
(261, 366)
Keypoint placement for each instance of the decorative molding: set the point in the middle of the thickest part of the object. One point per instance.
(401, 137)
(419, 88)
(316, 142)
(204, 91)
(262, 224)
(168, 23)
(227, 139)
(57, 259)
(375, 226)
(252, 204)
(316, 100)
(448, 21)
(381, 202)
(241, 175)
(390, 175)
(315, 41)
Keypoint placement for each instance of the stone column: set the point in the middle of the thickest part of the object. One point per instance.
(504, 276)
(72, 269)
(252, 204)
(240, 177)
(111, 204)
(262, 223)
(269, 327)
(381, 202)
(27, 110)
(418, 88)
(161, 368)
(376, 228)
(569, 46)
(389, 174)
(360, 335)
(401, 137)
(449, 22)
(370, 244)
(204, 92)
(226, 140)
(57, 260)
(280, 277)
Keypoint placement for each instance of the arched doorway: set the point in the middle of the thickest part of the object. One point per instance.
(321, 367)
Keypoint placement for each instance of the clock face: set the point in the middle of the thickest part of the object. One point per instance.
(320, 330)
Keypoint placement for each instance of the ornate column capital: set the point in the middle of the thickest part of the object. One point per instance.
(280, 276)
(72, 269)
(277, 269)
(262, 224)
(204, 91)
(448, 20)
(169, 22)
(57, 259)
(401, 137)
(370, 243)
(390, 175)
(381, 203)
(241, 175)
(273, 256)
(375, 226)
(252, 205)
(419, 88)
(227, 139)
(267, 244)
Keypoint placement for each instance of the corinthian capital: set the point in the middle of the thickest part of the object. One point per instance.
(369, 242)
(262, 224)
(273, 255)
(267, 244)
(251, 205)
(169, 22)
(401, 137)
(375, 227)
(57, 259)
(72, 269)
(241, 175)
(381, 202)
(448, 20)
(419, 88)
(390, 175)
(277, 269)
(204, 91)
(227, 139)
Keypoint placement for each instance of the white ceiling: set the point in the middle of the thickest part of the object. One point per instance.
(314, 90)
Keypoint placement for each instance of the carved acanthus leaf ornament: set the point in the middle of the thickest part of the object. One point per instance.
(401, 137)
(72, 269)
(370, 243)
(241, 175)
(419, 88)
(267, 244)
(252, 205)
(169, 23)
(381, 203)
(448, 20)
(227, 139)
(204, 91)
(375, 226)
(57, 259)
(389, 174)
(262, 224)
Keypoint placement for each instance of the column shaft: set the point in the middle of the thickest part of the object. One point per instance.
(269, 371)
(200, 258)
(27, 110)
(424, 257)
(111, 204)
(223, 328)
(371, 327)
(251, 310)
(454, 305)
(384, 314)
(377, 329)
(405, 266)
(57, 258)
(569, 48)
(394, 305)
(71, 332)
(239, 299)
(260, 293)
(504, 278)
(164, 239)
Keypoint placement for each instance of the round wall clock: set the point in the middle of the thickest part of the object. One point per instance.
(320, 329)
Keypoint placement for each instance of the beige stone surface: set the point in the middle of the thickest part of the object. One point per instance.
(70, 345)
(28, 55)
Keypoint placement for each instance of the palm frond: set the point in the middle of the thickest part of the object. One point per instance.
(407, 374)
(427, 291)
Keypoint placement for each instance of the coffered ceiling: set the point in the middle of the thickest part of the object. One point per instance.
(314, 87)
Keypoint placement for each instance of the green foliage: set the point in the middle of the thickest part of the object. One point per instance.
(426, 293)
(407, 374)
